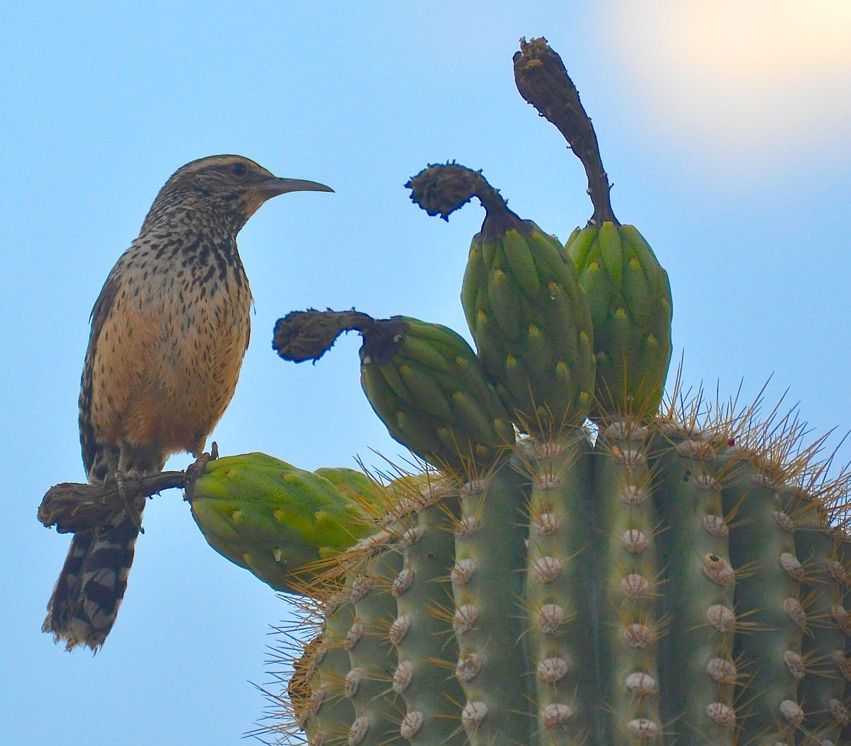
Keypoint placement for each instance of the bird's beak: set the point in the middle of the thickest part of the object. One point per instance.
(274, 187)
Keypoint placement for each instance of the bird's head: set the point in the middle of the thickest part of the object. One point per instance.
(227, 189)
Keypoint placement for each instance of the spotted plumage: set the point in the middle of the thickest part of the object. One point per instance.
(168, 335)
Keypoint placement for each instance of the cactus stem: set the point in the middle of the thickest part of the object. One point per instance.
(486, 620)
(631, 625)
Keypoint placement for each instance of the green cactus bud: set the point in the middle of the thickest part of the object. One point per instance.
(630, 301)
(523, 304)
(425, 383)
(279, 521)
(423, 380)
(626, 288)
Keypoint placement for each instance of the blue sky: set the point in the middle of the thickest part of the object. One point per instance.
(723, 127)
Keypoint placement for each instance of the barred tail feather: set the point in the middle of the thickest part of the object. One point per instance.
(90, 587)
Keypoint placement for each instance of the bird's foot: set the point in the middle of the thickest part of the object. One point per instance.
(195, 469)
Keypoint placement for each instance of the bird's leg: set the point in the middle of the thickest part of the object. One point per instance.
(134, 515)
(136, 461)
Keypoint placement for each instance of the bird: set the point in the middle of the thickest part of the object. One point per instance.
(169, 331)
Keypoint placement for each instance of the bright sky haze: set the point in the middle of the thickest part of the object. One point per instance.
(723, 125)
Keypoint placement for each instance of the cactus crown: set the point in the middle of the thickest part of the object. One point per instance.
(665, 576)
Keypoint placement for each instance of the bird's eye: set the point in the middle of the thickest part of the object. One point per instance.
(238, 169)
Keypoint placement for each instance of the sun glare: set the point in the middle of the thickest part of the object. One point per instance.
(752, 75)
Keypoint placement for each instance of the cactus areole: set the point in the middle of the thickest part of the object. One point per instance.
(659, 577)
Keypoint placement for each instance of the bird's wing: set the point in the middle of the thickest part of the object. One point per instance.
(100, 312)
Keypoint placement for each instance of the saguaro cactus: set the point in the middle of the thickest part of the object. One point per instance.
(667, 583)
(673, 577)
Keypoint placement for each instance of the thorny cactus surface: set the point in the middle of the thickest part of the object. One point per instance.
(667, 584)
(644, 577)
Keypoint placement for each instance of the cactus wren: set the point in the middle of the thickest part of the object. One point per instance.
(168, 334)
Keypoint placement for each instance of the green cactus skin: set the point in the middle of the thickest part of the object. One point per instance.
(691, 594)
(420, 632)
(666, 585)
(630, 300)
(768, 583)
(486, 587)
(372, 657)
(277, 520)
(825, 587)
(426, 384)
(699, 588)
